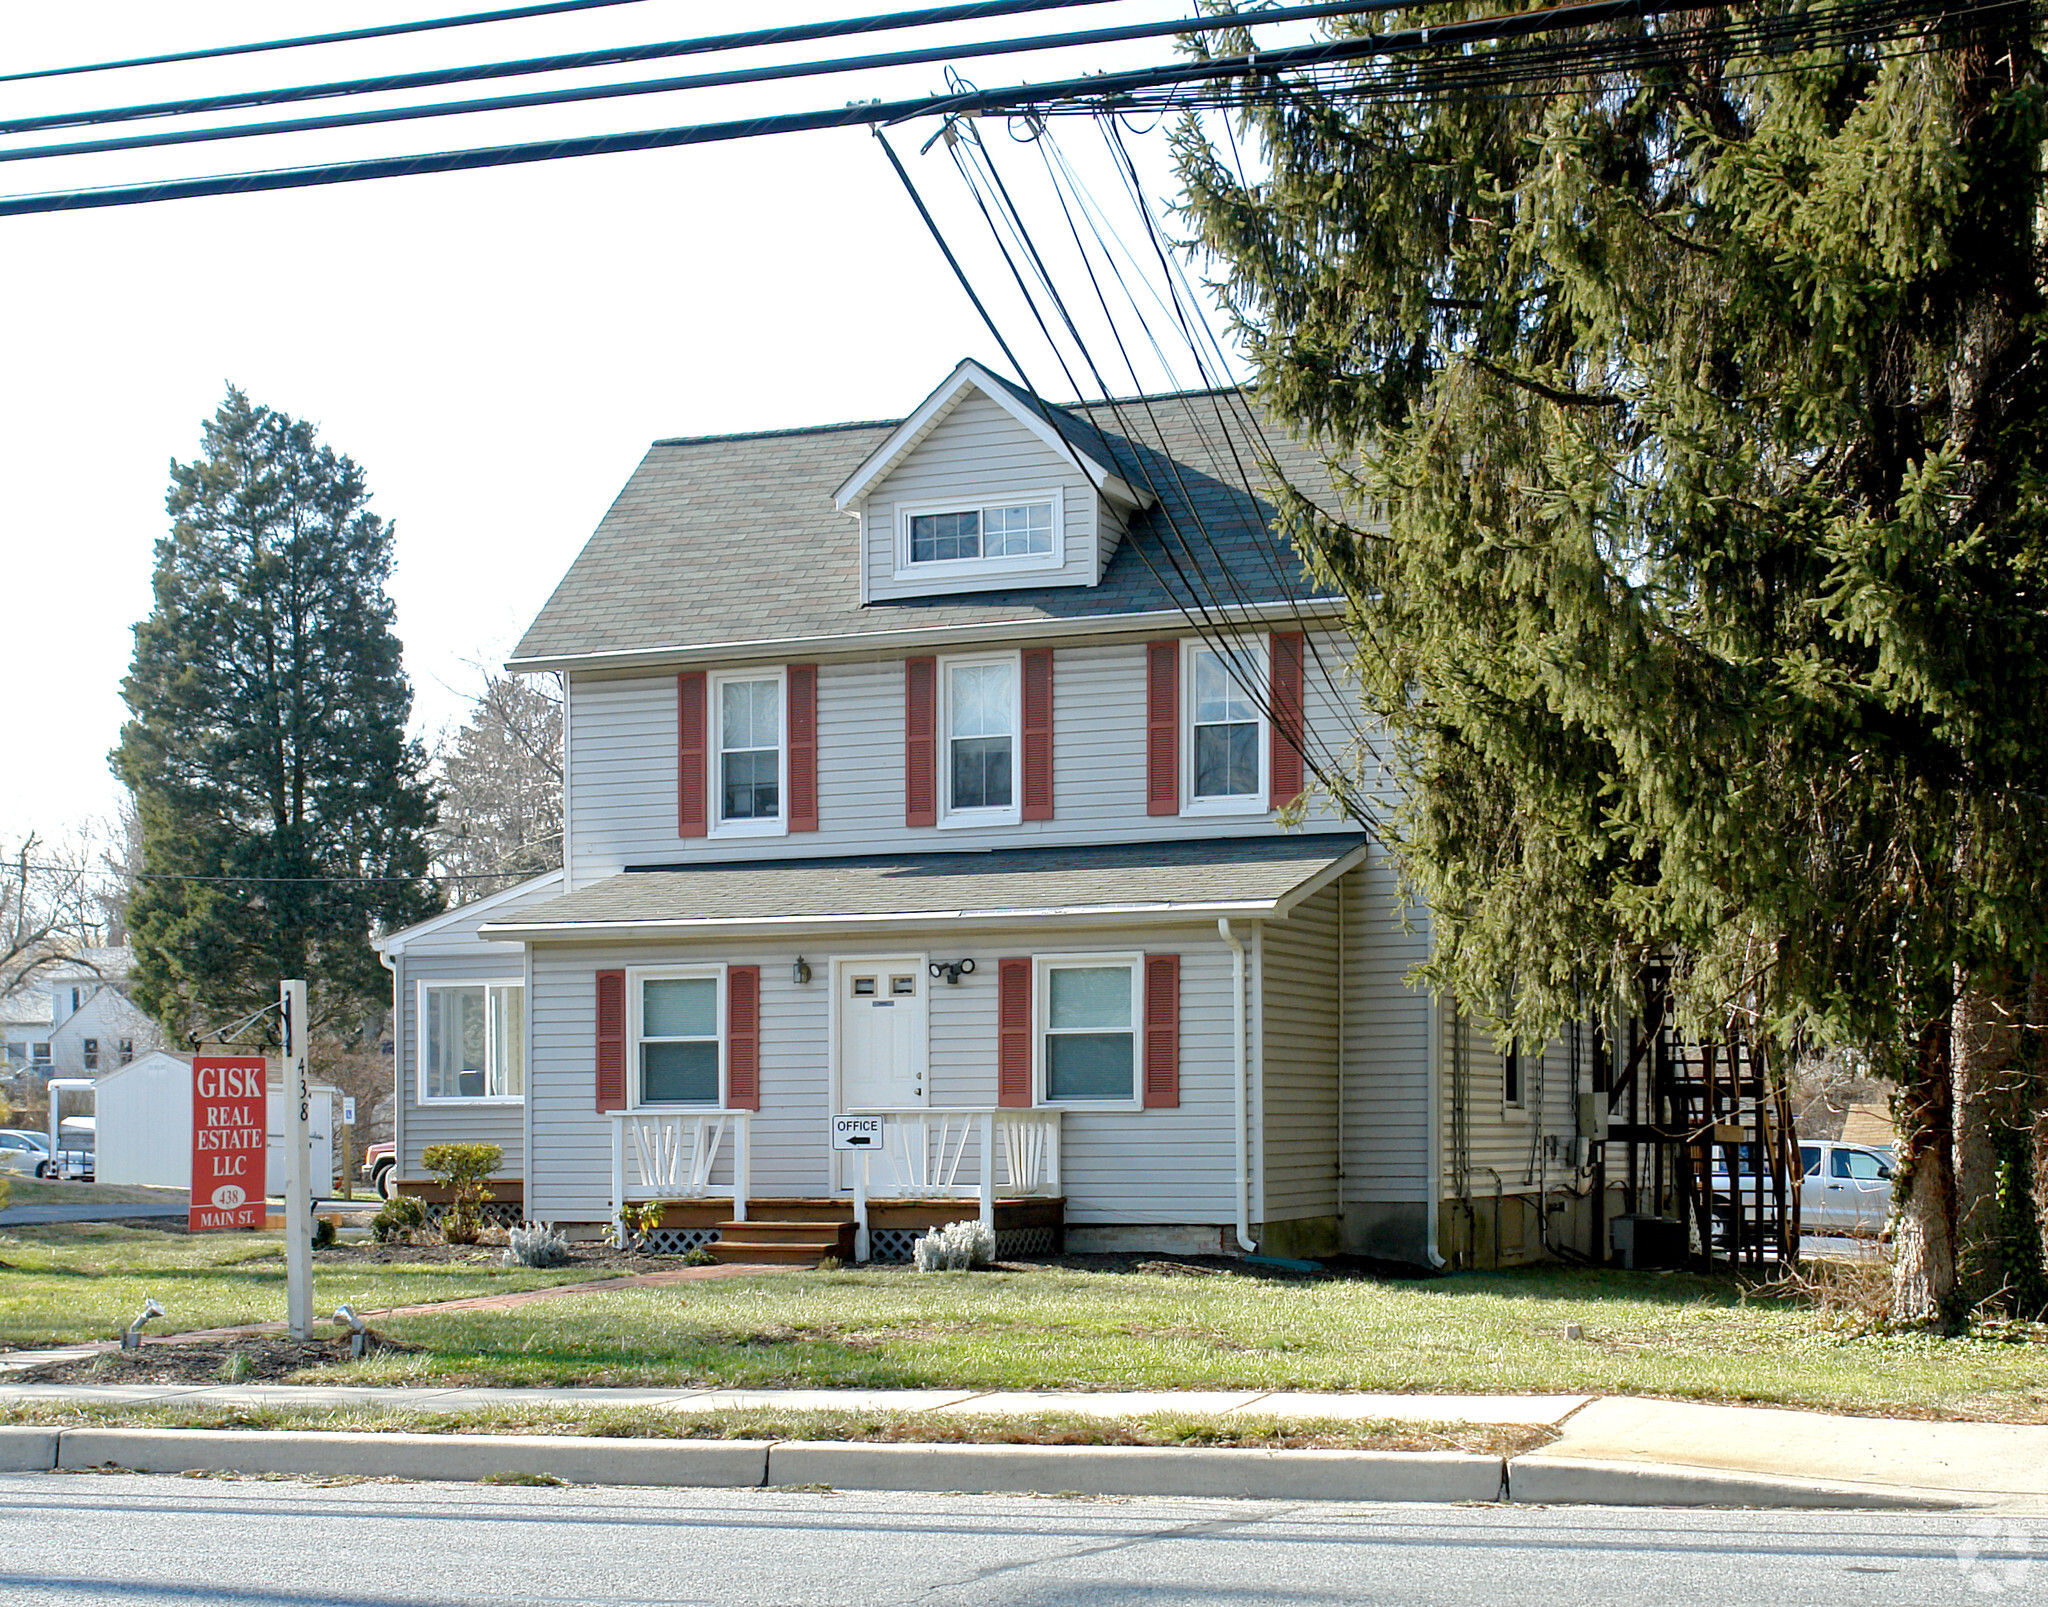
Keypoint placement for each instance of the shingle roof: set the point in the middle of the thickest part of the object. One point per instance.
(1185, 879)
(734, 539)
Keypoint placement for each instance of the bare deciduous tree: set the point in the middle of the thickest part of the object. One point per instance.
(501, 779)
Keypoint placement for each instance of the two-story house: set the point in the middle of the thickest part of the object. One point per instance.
(907, 779)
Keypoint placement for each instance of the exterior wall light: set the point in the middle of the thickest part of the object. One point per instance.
(800, 972)
(951, 970)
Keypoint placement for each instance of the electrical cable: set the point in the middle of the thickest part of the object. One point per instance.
(1090, 95)
(712, 44)
(778, 73)
(347, 36)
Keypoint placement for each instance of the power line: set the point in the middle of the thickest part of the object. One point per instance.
(780, 72)
(1091, 94)
(348, 36)
(619, 55)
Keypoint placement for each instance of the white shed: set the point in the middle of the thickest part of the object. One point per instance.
(144, 1114)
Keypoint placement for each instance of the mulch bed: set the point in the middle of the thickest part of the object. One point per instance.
(264, 1359)
(594, 1256)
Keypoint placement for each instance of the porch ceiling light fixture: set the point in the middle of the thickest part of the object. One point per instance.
(951, 970)
(800, 972)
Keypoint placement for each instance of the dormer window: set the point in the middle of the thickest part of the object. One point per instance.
(1020, 533)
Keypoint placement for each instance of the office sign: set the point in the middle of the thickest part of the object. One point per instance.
(230, 1121)
(856, 1132)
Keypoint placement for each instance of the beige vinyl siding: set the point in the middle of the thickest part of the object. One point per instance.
(1386, 1042)
(977, 456)
(1160, 1166)
(622, 769)
(1298, 1056)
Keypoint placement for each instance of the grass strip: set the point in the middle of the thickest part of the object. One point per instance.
(1245, 1431)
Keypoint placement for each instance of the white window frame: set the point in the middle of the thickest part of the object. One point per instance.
(1259, 650)
(714, 747)
(1042, 967)
(419, 1034)
(1032, 564)
(635, 977)
(951, 819)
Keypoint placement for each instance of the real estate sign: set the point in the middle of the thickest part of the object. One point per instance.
(230, 1120)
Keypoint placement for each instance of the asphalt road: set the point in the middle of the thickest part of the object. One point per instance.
(75, 1538)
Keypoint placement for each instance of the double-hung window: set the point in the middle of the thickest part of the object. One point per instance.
(1089, 1042)
(92, 1054)
(1023, 532)
(472, 1041)
(1226, 746)
(979, 718)
(678, 1036)
(746, 712)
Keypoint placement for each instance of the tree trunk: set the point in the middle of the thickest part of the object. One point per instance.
(1924, 1271)
(2034, 1068)
(1984, 1039)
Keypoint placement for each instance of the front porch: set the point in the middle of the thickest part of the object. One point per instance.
(930, 1168)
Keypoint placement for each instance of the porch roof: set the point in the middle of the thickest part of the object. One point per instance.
(1247, 877)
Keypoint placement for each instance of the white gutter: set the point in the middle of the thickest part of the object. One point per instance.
(1245, 1241)
(883, 643)
(800, 925)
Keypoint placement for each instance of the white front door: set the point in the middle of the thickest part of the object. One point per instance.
(881, 1033)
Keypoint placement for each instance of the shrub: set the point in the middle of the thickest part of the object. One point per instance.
(536, 1245)
(636, 1225)
(401, 1217)
(324, 1230)
(955, 1247)
(464, 1170)
(699, 1256)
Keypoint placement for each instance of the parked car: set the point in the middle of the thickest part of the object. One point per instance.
(380, 1169)
(23, 1149)
(1843, 1188)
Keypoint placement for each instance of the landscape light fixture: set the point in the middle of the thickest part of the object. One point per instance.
(131, 1337)
(951, 971)
(358, 1331)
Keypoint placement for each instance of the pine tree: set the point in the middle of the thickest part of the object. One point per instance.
(1694, 416)
(284, 811)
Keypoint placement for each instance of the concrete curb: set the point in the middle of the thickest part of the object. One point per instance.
(741, 1464)
(1117, 1470)
(1539, 1480)
(1141, 1470)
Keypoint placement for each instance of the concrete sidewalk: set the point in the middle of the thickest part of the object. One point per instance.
(1614, 1450)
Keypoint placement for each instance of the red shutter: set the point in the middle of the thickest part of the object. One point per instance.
(1037, 734)
(691, 820)
(611, 1040)
(1284, 701)
(1013, 1034)
(1162, 728)
(1162, 1031)
(803, 747)
(920, 741)
(743, 1037)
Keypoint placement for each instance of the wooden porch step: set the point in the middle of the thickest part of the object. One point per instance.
(782, 1243)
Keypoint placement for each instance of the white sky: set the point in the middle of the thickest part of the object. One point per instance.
(496, 349)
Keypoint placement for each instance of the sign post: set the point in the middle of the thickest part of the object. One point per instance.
(297, 1095)
(863, 1135)
(230, 1123)
(348, 1144)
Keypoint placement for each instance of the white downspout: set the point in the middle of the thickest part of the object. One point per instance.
(1245, 1240)
(391, 959)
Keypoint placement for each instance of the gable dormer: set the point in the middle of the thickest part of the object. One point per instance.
(986, 488)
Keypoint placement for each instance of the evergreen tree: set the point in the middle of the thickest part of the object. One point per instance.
(284, 812)
(1694, 413)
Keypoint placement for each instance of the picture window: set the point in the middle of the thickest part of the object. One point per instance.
(472, 1041)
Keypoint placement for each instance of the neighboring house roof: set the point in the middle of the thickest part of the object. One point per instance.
(27, 1006)
(734, 542)
(1252, 877)
(538, 886)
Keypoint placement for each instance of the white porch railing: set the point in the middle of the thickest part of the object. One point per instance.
(669, 1155)
(958, 1154)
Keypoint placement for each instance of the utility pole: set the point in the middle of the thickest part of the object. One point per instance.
(297, 1095)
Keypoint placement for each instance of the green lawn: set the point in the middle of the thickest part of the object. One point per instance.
(85, 1280)
(1644, 1333)
(27, 1191)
